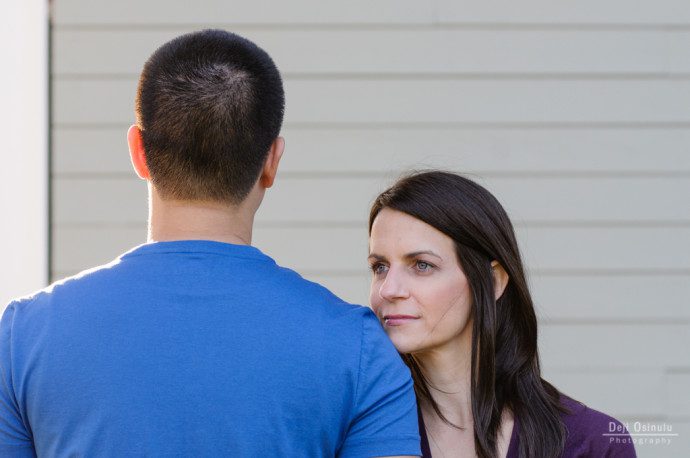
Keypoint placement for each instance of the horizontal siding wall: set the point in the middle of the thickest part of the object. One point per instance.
(578, 122)
(418, 101)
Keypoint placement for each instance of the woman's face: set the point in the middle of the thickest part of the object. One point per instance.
(418, 290)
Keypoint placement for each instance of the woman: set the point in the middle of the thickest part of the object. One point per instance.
(449, 288)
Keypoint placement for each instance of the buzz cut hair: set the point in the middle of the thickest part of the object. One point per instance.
(209, 105)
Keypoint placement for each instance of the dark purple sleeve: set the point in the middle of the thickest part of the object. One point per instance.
(594, 434)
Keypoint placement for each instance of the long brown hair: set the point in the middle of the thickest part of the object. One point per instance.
(504, 331)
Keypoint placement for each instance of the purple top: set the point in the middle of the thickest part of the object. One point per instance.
(585, 429)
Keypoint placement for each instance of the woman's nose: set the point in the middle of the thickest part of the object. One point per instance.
(393, 287)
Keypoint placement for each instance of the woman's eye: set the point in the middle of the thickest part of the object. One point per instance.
(378, 268)
(423, 266)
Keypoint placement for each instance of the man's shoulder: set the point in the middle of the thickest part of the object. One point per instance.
(69, 286)
(302, 289)
(140, 278)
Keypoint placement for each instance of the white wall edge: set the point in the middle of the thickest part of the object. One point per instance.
(24, 132)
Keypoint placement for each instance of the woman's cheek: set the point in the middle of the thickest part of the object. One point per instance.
(374, 302)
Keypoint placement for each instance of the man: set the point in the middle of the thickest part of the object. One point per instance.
(197, 343)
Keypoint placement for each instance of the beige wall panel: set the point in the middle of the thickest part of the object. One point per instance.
(391, 51)
(387, 151)
(336, 250)
(578, 12)
(645, 298)
(575, 298)
(90, 150)
(613, 346)
(677, 400)
(487, 151)
(604, 249)
(539, 101)
(611, 392)
(101, 201)
(150, 12)
(93, 102)
(412, 101)
(389, 12)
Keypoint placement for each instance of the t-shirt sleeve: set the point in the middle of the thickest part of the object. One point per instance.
(593, 433)
(384, 421)
(616, 443)
(15, 441)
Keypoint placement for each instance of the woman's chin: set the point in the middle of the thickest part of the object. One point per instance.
(404, 344)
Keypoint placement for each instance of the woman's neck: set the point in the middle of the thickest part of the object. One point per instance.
(448, 373)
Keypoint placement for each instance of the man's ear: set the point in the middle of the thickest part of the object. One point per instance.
(136, 152)
(500, 279)
(270, 170)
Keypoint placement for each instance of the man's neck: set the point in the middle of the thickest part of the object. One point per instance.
(171, 220)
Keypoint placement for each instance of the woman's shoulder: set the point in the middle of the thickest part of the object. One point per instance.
(593, 433)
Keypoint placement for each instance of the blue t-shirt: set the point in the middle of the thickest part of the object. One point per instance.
(199, 348)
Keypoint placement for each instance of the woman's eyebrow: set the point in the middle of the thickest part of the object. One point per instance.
(414, 254)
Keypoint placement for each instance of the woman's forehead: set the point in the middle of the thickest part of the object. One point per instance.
(397, 232)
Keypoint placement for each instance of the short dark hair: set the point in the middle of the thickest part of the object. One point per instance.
(505, 359)
(209, 105)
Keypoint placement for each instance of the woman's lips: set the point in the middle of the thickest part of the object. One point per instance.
(398, 320)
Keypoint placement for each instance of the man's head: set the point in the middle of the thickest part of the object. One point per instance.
(209, 107)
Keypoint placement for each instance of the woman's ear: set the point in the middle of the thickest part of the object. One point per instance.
(500, 279)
